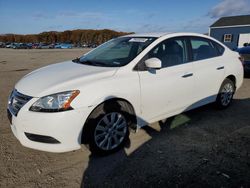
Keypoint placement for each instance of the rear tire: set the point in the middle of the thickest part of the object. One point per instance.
(226, 93)
(107, 128)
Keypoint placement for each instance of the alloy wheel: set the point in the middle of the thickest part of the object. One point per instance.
(110, 131)
(227, 94)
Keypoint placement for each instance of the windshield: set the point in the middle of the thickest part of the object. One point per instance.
(116, 52)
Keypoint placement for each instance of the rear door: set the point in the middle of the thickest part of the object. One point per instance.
(209, 68)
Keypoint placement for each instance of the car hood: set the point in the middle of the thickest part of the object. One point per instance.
(61, 77)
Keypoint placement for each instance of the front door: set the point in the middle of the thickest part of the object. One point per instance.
(169, 89)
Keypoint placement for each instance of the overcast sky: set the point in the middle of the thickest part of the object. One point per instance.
(35, 16)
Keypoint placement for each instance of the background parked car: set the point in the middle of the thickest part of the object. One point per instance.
(2, 45)
(64, 46)
(245, 58)
(22, 46)
(45, 46)
(11, 45)
(35, 45)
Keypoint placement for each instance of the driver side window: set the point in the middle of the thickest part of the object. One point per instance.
(171, 52)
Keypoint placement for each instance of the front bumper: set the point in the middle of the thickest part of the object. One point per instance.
(65, 127)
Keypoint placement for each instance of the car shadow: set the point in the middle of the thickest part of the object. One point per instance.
(202, 147)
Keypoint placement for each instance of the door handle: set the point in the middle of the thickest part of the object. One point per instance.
(220, 68)
(187, 75)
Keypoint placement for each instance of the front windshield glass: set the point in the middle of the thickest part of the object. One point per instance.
(116, 52)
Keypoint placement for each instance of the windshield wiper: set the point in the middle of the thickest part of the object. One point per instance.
(94, 63)
(78, 60)
(99, 63)
(88, 62)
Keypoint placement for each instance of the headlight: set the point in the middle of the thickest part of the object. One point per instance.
(55, 103)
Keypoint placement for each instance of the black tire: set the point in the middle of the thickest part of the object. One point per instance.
(221, 101)
(96, 118)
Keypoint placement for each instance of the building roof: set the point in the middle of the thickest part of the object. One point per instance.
(232, 21)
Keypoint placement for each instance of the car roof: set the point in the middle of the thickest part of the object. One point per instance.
(161, 34)
(157, 35)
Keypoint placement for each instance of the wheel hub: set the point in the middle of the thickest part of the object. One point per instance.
(227, 94)
(110, 131)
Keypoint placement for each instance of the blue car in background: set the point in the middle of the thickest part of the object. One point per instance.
(64, 46)
(245, 58)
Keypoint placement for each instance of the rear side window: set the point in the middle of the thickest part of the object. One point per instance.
(203, 49)
(220, 49)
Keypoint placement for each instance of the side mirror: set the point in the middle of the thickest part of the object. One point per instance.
(153, 63)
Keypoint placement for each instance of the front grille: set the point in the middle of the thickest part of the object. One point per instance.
(17, 101)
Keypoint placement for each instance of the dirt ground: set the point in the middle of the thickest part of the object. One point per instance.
(201, 148)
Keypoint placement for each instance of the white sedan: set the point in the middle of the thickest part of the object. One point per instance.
(129, 81)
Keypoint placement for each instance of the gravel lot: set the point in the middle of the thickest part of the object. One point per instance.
(204, 147)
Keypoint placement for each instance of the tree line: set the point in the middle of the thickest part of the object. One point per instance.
(77, 37)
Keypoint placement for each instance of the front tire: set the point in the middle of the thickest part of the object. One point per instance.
(226, 93)
(107, 128)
